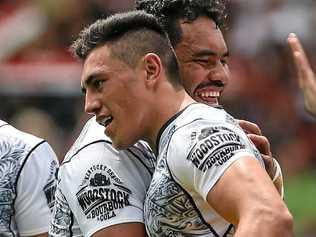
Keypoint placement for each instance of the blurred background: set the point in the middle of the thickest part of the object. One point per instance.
(40, 81)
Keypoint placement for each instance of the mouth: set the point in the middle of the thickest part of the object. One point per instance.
(209, 94)
(208, 97)
(105, 121)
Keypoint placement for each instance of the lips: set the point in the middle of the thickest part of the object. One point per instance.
(209, 97)
(105, 121)
(208, 94)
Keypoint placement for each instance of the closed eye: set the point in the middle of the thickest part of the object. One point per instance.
(224, 61)
(201, 61)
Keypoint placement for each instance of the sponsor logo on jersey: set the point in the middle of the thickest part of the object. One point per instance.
(102, 193)
(215, 146)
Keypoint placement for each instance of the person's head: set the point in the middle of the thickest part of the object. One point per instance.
(125, 58)
(193, 27)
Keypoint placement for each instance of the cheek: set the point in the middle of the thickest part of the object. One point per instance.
(191, 78)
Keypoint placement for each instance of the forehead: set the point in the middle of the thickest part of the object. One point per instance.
(97, 59)
(100, 61)
(202, 33)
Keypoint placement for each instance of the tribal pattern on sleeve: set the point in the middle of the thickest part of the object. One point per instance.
(12, 153)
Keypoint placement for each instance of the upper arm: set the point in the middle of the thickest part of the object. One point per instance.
(126, 230)
(244, 185)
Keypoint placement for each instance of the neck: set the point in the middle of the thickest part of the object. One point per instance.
(166, 108)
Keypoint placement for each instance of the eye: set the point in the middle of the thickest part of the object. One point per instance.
(201, 61)
(98, 84)
(224, 61)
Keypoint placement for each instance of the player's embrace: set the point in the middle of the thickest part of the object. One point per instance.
(209, 180)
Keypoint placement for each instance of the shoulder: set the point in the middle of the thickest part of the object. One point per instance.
(92, 134)
(209, 133)
(13, 136)
(18, 145)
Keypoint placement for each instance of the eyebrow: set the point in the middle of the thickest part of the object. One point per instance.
(88, 82)
(207, 52)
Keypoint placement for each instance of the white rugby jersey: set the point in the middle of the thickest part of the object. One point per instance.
(99, 186)
(196, 146)
(28, 169)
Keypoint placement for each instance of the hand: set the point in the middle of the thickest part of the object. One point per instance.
(254, 134)
(274, 171)
(263, 145)
(305, 74)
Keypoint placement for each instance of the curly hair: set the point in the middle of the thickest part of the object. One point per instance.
(168, 13)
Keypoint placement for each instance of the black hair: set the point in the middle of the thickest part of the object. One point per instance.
(130, 36)
(168, 13)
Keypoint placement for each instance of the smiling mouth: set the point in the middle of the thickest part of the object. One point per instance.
(209, 94)
(106, 121)
(207, 97)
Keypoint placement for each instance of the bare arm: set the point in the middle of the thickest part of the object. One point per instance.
(263, 145)
(246, 197)
(305, 74)
(126, 230)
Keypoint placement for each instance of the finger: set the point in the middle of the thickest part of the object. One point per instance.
(306, 74)
(261, 142)
(300, 59)
(296, 51)
(268, 162)
(295, 44)
(249, 127)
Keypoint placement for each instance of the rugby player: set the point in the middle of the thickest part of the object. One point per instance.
(204, 157)
(28, 177)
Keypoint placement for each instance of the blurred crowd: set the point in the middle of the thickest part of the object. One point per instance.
(40, 89)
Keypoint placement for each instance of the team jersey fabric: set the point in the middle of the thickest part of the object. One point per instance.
(28, 168)
(196, 146)
(99, 186)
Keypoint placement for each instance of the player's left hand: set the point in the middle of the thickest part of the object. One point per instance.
(255, 135)
(263, 145)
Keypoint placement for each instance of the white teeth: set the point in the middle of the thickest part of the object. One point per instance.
(106, 121)
(209, 94)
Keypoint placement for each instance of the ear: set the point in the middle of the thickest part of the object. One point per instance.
(153, 67)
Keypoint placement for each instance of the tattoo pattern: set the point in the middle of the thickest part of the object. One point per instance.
(168, 209)
(62, 223)
(12, 153)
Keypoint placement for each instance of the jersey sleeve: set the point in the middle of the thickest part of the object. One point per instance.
(63, 223)
(104, 187)
(207, 151)
(35, 191)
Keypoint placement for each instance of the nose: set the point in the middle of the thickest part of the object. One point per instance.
(92, 104)
(219, 74)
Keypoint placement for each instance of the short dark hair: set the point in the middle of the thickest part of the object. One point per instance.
(130, 36)
(168, 13)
